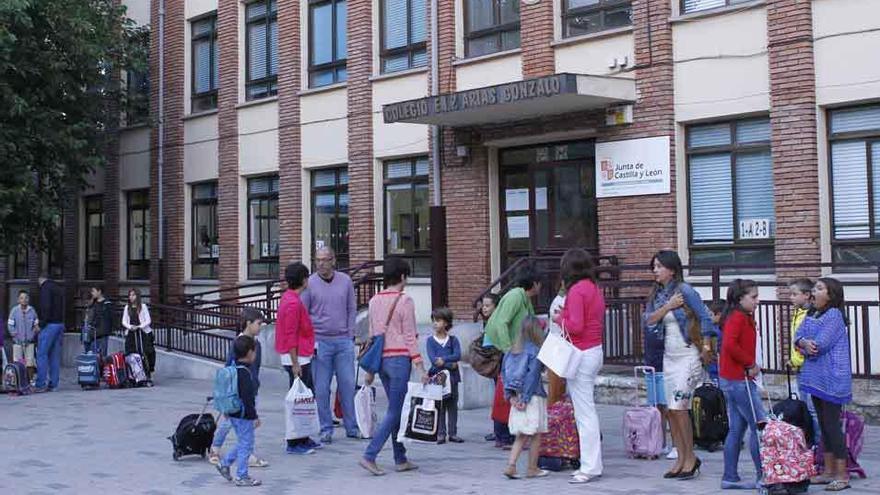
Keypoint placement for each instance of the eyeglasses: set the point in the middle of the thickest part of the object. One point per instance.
(323, 260)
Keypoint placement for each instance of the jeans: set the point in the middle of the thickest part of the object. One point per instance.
(306, 378)
(394, 373)
(740, 416)
(335, 357)
(502, 432)
(817, 431)
(581, 388)
(49, 355)
(448, 414)
(244, 431)
(223, 427)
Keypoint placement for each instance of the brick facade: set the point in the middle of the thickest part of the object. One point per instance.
(360, 131)
(168, 271)
(289, 142)
(228, 200)
(536, 35)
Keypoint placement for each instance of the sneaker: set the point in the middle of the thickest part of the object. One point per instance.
(314, 445)
(356, 436)
(441, 440)
(41, 390)
(256, 462)
(673, 454)
(327, 438)
(224, 471)
(247, 481)
(490, 437)
(300, 450)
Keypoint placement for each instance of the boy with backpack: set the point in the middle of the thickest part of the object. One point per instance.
(250, 325)
(800, 292)
(235, 396)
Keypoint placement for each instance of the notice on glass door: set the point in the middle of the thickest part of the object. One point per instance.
(516, 200)
(540, 198)
(517, 227)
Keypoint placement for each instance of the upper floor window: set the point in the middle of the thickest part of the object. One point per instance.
(138, 235)
(262, 48)
(94, 206)
(18, 263)
(688, 6)
(403, 35)
(591, 16)
(263, 228)
(328, 48)
(491, 26)
(330, 212)
(205, 76)
(205, 231)
(730, 188)
(137, 92)
(855, 183)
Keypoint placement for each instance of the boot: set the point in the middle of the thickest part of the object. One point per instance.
(828, 474)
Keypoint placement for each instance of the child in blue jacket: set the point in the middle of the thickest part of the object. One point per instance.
(444, 352)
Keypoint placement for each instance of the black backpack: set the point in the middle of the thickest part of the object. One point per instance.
(709, 415)
(795, 412)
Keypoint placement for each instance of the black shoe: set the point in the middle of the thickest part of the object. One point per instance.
(490, 437)
(441, 440)
(671, 475)
(693, 473)
(456, 440)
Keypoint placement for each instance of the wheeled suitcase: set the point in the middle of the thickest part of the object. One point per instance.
(642, 426)
(561, 440)
(88, 370)
(709, 416)
(15, 379)
(794, 411)
(194, 434)
(854, 433)
(137, 376)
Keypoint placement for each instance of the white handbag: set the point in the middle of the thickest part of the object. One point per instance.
(560, 355)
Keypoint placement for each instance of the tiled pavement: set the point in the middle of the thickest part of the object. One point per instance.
(114, 441)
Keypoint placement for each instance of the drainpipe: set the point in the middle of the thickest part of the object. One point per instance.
(160, 159)
(435, 85)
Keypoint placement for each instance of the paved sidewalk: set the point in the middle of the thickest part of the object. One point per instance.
(114, 441)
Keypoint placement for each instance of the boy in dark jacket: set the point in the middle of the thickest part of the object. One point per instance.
(245, 421)
(99, 317)
(444, 352)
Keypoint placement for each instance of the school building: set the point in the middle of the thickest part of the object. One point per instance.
(734, 131)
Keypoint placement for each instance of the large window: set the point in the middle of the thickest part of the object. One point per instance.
(591, 16)
(330, 212)
(730, 187)
(491, 26)
(688, 6)
(327, 42)
(403, 35)
(94, 238)
(138, 235)
(854, 135)
(137, 92)
(406, 213)
(263, 228)
(205, 75)
(18, 264)
(205, 234)
(262, 49)
(55, 252)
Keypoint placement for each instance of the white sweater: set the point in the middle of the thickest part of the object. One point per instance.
(143, 316)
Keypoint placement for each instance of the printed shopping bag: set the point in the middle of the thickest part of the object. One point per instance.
(418, 420)
(300, 412)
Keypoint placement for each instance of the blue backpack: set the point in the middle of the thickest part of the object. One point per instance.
(226, 399)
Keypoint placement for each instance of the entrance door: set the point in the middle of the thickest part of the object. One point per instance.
(548, 199)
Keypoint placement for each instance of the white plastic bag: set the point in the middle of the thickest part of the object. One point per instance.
(300, 412)
(365, 410)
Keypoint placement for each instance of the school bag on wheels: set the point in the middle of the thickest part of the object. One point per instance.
(642, 425)
(794, 411)
(88, 369)
(134, 360)
(786, 458)
(15, 379)
(560, 446)
(194, 434)
(709, 415)
(854, 434)
(115, 374)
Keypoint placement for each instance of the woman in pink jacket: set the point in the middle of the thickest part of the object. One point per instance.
(583, 319)
(393, 314)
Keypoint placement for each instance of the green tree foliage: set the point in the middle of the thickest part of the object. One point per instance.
(61, 97)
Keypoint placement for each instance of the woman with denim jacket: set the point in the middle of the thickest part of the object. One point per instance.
(675, 318)
(827, 375)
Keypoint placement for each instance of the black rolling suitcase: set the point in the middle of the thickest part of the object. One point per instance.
(794, 411)
(194, 434)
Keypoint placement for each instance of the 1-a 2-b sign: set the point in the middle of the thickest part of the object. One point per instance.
(633, 167)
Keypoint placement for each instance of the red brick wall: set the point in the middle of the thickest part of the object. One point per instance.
(228, 197)
(793, 124)
(172, 173)
(360, 131)
(112, 211)
(289, 149)
(536, 34)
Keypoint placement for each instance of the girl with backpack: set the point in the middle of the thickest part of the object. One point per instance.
(138, 332)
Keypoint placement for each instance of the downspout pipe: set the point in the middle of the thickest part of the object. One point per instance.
(435, 85)
(160, 158)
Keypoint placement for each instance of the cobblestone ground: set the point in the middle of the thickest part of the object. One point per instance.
(114, 441)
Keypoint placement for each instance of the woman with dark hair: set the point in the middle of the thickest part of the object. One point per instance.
(500, 332)
(138, 332)
(295, 342)
(675, 318)
(827, 375)
(737, 369)
(583, 319)
(393, 314)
